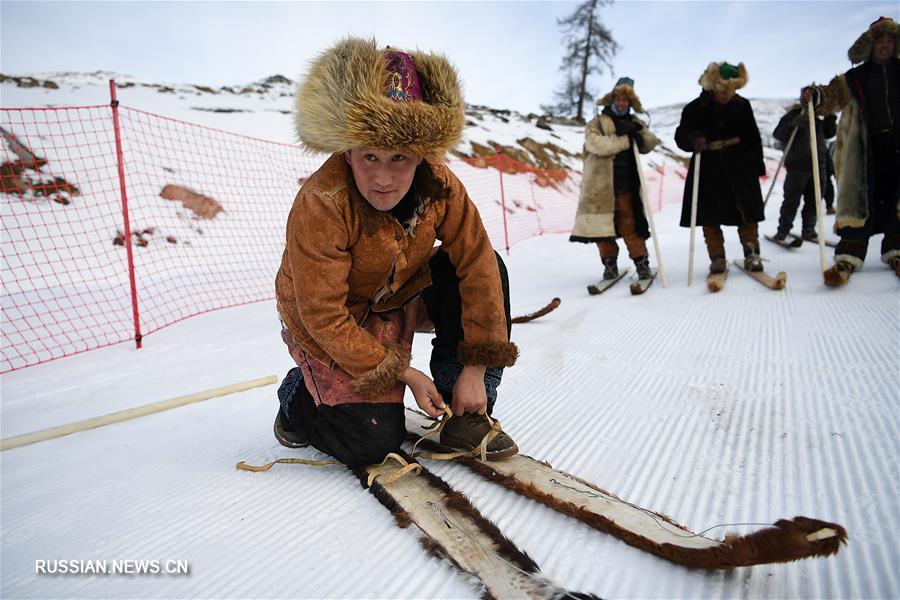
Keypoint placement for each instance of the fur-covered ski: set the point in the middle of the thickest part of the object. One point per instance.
(455, 530)
(791, 242)
(604, 284)
(786, 540)
(794, 238)
(640, 286)
(716, 281)
(551, 306)
(773, 283)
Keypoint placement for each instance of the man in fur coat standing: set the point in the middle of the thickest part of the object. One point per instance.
(721, 125)
(610, 204)
(360, 273)
(867, 154)
(798, 163)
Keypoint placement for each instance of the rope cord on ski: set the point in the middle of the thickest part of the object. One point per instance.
(376, 472)
(288, 461)
(438, 425)
(651, 514)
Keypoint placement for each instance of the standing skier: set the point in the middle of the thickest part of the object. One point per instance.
(359, 270)
(867, 154)
(720, 124)
(798, 163)
(610, 204)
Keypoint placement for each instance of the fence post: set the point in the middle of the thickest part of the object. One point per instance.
(114, 103)
(502, 198)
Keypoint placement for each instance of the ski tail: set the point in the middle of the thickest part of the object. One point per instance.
(551, 306)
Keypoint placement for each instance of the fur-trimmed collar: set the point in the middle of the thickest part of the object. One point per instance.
(711, 79)
(342, 103)
(622, 89)
(861, 50)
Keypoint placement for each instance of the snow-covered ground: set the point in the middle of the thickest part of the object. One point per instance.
(737, 408)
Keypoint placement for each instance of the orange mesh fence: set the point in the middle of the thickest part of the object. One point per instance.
(203, 211)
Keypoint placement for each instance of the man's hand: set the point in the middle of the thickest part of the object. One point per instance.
(424, 391)
(699, 143)
(469, 395)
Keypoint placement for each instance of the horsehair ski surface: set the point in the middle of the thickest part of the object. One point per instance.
(786, 540)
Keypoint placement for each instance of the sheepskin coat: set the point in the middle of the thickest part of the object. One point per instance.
(729, 178)
(344, 259)
(850, 95)
(594, 218)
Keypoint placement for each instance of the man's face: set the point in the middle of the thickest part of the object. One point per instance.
(883, 49)
(382, 176)
(622, 102)
(722, 97)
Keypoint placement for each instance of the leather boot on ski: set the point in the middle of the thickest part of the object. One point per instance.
(610, 268)
(284, 432)
(752, 260)
(718, 264)
(809, 235)
(839, 274)
(642, 265)
(780, 236)
(466, 432)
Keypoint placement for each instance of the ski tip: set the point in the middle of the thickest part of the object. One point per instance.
(780, 281)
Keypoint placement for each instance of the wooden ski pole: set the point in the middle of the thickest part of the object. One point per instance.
(787, 149)
(649, 213)
(817, 184)
(695, 190)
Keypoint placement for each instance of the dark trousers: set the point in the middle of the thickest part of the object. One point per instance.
(885, 180)
(797, 183)
(363, 433)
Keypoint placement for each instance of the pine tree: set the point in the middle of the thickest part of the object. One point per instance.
(589, 46)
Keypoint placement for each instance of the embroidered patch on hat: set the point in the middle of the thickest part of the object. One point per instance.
(402, 83)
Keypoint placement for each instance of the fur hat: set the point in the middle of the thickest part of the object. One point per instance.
(861, 49)
(625, 85)
(714, 80)
(350, 98)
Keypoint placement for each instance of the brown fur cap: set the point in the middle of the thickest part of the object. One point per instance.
(342, 103)
(712, 80)
(861, 49)
(626, 89)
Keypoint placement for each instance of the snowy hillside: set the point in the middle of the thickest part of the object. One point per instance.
(725, 411)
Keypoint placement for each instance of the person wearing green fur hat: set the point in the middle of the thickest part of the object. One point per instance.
(721, 125)
(867, 152)
(610, 202)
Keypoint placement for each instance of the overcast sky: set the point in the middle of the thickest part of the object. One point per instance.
(508, 53)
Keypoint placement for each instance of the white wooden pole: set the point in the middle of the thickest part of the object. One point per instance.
(817, 184)
(131, 413)
(649, 213)
(694, 193)
(787, 149)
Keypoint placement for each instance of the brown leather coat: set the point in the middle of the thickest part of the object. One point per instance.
(345, 259)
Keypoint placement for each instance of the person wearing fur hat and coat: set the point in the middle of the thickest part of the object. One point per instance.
(360, 273)
(721, 125)
(867, 153)
(610, 203)
(798, 163)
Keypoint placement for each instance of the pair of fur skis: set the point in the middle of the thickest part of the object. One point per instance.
(773, 283)
(786, 540)
(604, 284)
